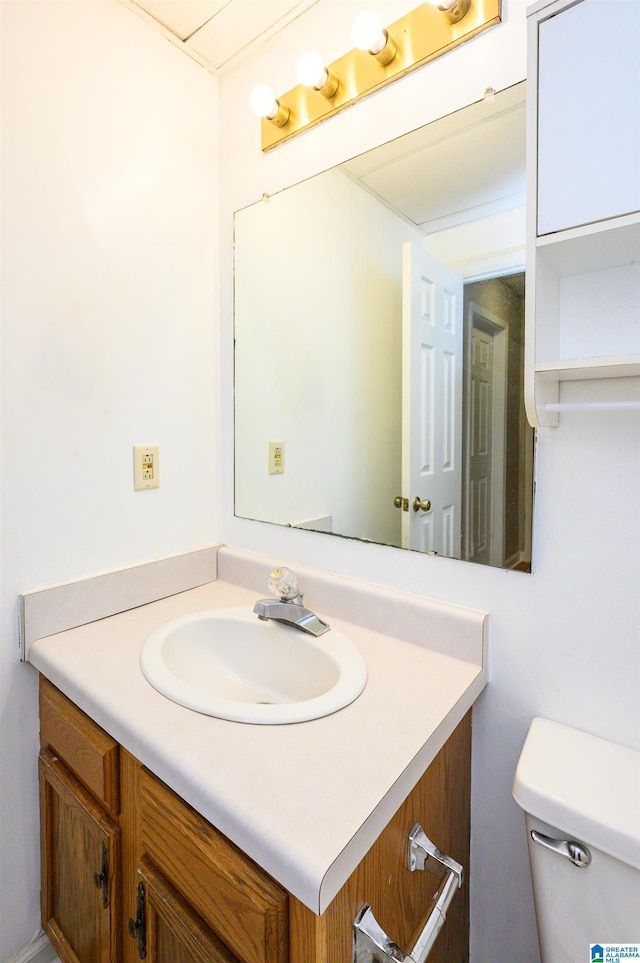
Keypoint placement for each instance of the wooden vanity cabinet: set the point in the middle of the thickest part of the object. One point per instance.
(180, 892)
(80, 835)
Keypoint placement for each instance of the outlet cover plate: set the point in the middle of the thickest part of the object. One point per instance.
(146, 467)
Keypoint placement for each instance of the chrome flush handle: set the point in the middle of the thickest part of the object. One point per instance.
(576, 853)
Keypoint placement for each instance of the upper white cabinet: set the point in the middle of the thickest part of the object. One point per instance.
(588, 110)
(583, 245)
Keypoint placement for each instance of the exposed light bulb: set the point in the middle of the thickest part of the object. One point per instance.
(313, 73)
(311, 70)
(453, 10)
(367, 32)
(264, 104)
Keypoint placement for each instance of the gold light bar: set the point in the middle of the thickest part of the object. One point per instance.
(420, 36)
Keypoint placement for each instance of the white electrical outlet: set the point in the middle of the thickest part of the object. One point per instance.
(146, 467)
(276, 458)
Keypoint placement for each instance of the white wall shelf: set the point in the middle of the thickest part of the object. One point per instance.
(582, 369)
(593, 247)
(583, 230)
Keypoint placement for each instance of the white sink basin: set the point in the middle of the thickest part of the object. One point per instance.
(227, 663)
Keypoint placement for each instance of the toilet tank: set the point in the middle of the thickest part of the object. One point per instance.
(576, 787)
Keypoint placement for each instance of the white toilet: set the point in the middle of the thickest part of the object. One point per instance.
(581, 798)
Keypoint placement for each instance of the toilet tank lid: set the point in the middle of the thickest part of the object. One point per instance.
(584, 786)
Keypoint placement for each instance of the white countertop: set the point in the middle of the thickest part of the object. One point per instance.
(305, 801)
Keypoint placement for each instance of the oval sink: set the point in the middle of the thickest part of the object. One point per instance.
(227, 663)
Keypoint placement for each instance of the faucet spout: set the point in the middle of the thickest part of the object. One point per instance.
(292, 614)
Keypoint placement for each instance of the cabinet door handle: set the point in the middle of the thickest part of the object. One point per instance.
(138, 926)
(372, 945)
(101, 879)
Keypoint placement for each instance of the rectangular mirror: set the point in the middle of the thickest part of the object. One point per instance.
(379, 344)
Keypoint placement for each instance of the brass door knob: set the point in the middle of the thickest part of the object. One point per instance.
(401, 502)
(423, 505)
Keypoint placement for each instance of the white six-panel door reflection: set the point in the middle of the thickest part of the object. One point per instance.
(431, 403)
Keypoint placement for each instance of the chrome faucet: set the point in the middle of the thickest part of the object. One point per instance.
(288, 607)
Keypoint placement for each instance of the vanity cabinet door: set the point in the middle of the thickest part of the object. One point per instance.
(244, 906)
(80, 855)
(172, 932)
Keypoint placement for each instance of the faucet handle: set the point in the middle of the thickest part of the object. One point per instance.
(283, 584)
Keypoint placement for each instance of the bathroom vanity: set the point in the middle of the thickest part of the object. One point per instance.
(175, 837)
(129, 867)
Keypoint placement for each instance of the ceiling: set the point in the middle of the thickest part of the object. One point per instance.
(216, 32)
(463, 167)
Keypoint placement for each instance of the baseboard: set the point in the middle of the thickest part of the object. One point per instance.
(516, 560)
(37, 950)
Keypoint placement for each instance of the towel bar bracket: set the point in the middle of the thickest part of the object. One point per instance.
(372, 945)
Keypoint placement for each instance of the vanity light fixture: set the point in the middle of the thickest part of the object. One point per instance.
(453, 10)
(381, 55)
(264, 104)
(369, 34)
(313, 73)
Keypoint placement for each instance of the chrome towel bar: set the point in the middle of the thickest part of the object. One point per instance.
(372, 945)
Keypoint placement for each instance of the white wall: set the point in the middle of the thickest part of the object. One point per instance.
(564, 640)
(109, 262)
(324, 329)
(500, 239)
